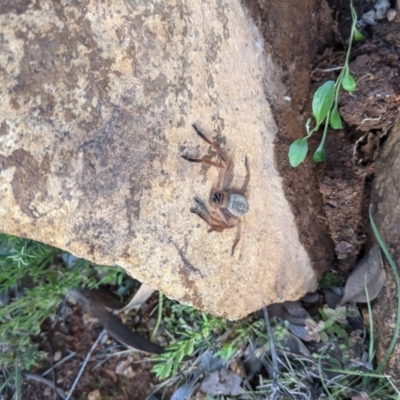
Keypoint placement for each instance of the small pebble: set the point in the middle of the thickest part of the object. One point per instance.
(391, 14)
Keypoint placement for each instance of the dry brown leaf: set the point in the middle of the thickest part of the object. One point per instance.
(139, 298)
(368, 273)
(292, 311)
(94, 301)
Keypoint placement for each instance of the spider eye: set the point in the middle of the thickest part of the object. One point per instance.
(217, 198)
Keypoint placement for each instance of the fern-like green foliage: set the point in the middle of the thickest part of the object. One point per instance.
(33, 282)
(329, 280)
(196, 331)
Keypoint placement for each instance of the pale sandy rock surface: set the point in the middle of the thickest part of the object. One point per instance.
(97, 102)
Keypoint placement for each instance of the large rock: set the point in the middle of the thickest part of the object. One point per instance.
(97, 103)
(386, 206)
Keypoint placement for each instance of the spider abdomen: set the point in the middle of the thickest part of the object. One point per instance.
(238, 205)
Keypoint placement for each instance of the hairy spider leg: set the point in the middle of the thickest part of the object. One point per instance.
(201, 204)
(222, 224)
(221, 152)
(246, 181)
(237, 238)
(206, 215)
(215, 223)
(230, 222)
(224, 217)
(202, 160)
(226, 174)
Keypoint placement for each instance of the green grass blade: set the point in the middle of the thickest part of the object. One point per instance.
(159, 315)
(397, 278)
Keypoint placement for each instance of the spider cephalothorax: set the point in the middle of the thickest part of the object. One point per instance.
(229, 204)
(216, 198)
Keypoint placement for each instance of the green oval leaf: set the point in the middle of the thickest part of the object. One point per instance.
(179, 355)
(189, 347)
(298, 152)
(319, 155)
(335, 120)
(357, 35)
(322, 101)
(348, 82)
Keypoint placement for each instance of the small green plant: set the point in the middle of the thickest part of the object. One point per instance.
(325, 105)
(193, 329)
(329, 280)
(196, 332)
(33, 282)
(333, 349)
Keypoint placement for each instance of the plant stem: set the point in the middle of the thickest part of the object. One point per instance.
(322, 143)
(275, 383)
(159, 315)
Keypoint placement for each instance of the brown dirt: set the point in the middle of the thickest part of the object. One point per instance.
(343, 181)
(294, 54)
(118, 377)
(337, 191)
(368, 114)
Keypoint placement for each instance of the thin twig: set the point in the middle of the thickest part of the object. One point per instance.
(274, 356)
(47, 382)
(59, 363)
(331, 69)
(60, 310)
(159, 316)
(102, 333)
(55, 397)
(121, 353)
(17, 381)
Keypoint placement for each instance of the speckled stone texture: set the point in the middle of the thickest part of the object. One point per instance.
(97, 103)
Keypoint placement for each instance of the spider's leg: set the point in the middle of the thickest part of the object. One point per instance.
(246, 181)
(229, 221)
(214, 226)
(217, 225)
(200, 214)
(237, 238)
(221, 152)
(202, 160)
(226, 176)
(226, 172)
(202, 211)
(201, 205)
(217, 228)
